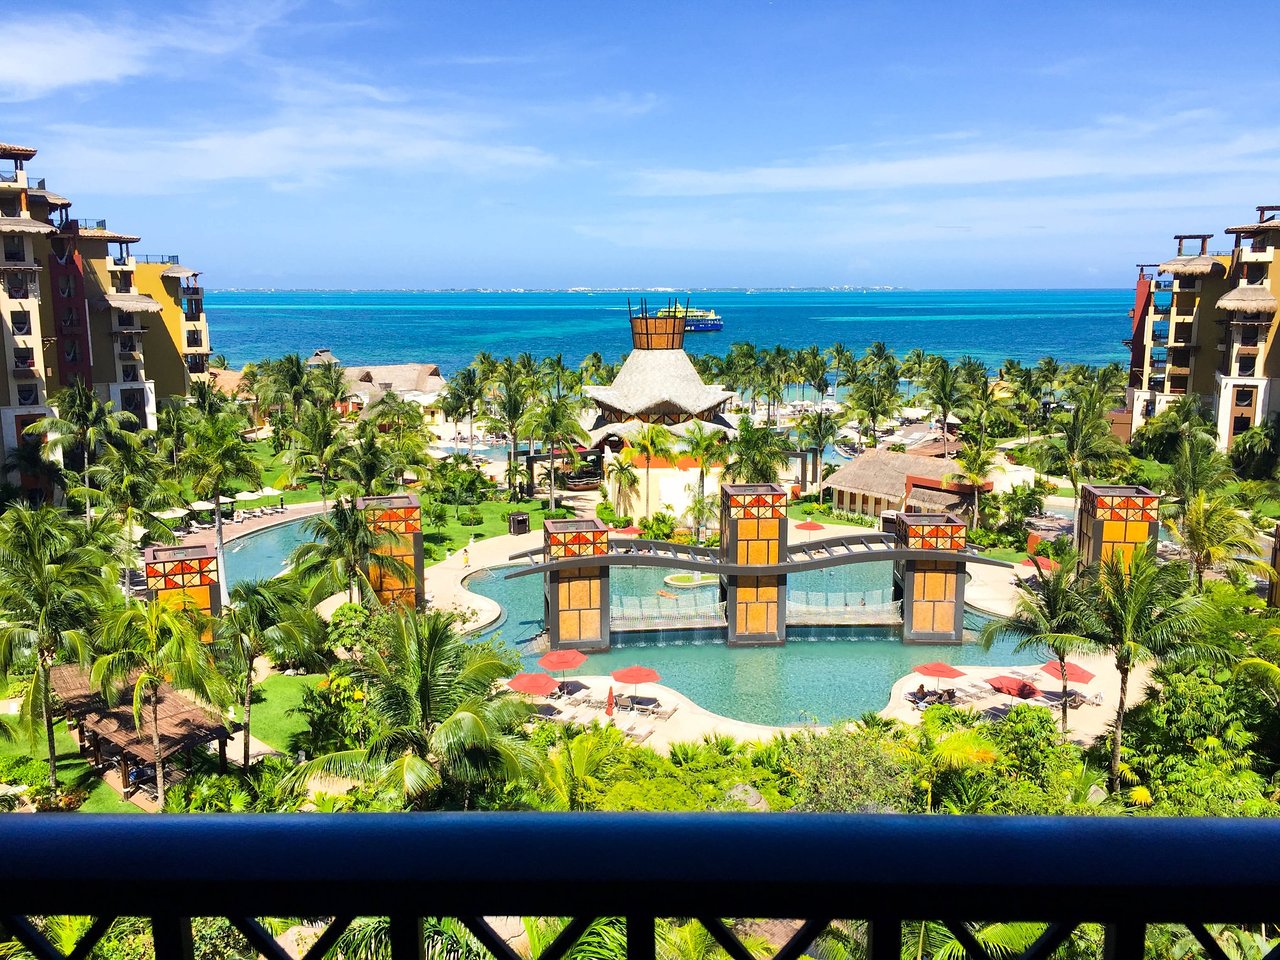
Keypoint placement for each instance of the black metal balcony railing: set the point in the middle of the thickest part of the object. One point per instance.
(158, 258)
(90, 224)
(1124, 873)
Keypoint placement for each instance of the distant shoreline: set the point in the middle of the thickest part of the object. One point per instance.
(590, 291)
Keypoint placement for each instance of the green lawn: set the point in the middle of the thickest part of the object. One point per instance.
(274, 698)
(73, 771)
(455, 536)
(796, 511)
(1005, 553)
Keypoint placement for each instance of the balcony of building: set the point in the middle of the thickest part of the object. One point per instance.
(15, 250)
(12, 177)
(841, 879)
(126, 323)
(167, 258)
(20, 285)
(82, 223)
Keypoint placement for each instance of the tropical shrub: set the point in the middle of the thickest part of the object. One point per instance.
(660, 526)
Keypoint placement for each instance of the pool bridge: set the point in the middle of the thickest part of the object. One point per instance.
(752, 563)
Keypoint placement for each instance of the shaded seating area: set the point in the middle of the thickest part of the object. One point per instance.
(108, 734)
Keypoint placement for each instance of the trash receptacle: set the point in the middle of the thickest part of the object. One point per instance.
(517, 523)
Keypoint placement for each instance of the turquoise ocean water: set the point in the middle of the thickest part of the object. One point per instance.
(372, 327)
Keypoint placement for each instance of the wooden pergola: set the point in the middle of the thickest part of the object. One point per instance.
(184, 724)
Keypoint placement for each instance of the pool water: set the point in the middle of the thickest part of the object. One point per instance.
(823, 673)
(263, 554)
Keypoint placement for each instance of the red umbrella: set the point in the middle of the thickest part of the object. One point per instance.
(537, 684)
(635, 675)
(608, 704)
(563, 660)
(1075, 672)
(1014, 687)
(810, 525)
(1046, 564)
(936, 669)
(631, 531)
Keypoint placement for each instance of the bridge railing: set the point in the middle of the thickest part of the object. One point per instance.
(882, 871)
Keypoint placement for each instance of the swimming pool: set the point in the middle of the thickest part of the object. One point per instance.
(263, 554)
(823, 673)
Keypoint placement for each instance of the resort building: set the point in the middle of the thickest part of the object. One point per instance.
(878, 481)
(420, 383)
(77, 304)
(1202, 326)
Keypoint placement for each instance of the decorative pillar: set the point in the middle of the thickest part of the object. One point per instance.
(1115, 518)
(399, 514)
(577, 598)
(185, 576)
(753, 532)
(932, 590)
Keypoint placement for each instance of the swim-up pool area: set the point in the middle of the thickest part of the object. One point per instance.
(263, 554)
(823, 673)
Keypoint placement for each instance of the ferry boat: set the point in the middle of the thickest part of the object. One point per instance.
(695, 319)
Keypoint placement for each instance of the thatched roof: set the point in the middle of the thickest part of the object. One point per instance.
(419, 382)
(936, 501)
(1248, 299)
(52, 199)
(322, 358)
(128, 302)
(11, 151)
(24, 225)
(229, 382)
(1196, 266)
(659, 382)
(179, 271)
(884, 473)
(110, 236)
(598, 427)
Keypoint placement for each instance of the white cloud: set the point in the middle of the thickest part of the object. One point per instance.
(47, 54)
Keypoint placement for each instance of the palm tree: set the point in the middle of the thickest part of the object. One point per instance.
(149, 643)
(703, 445)
(842, 361)
(51, 586)
(320, 444)
(1049, 618)
(284, 383)
(554, 420)
(1217, 536)
(622, 475)
(446, 727)
(508, 402)
(216, 460)
(913, 365)
(976, 462)
(261, 620)
(936, 748)
(756, 454)
(172, 421)
(131, 484)
(1085, 447)
(874, 399)
(328, 382)
(1141, 612)
(818, 429)
(342, 549)
(653, 440)
(576, 764)
(923, 939)
(945, 392)
(81, 424)
(365, 463)
(466, 390)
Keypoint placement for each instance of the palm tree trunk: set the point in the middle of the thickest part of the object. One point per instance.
(551, 478)
(248, 706)
(511, 477)
(155, 745)
(702, 482)
(48, 730)
(218, 550)
(1062, 670)
(647, 483)
(1113, 780)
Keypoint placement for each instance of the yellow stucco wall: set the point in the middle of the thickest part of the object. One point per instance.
(161, 344)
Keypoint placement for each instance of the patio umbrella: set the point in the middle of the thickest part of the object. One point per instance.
(1014, 687)
(173, 513)
(563, 660)
(1075, 672)
(246, 495)
(1046, 564)
(632, 531)
(635, 676)
(608, 704)
(810, 526)
(537, 684)
(938, 671)
(269, 492)
(201, 505)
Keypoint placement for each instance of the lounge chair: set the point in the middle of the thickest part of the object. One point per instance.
(1095, 700)
(546, 711)
(667, 713)
(640, 736)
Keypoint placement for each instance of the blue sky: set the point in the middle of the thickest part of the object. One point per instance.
(353, 144)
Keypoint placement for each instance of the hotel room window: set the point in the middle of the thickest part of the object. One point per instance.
(15, 250)
(1246, 365)
(1244, 396)
(27, 395)
(66, 285)
(21, 323)
(71, 351)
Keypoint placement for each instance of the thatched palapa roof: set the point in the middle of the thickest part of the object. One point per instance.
(599, 427)
(322, 358)
(887, 474)
(128, 302)
(1248, 299)
(52, 199)
(659, 382)
(1196, 266)
(179, 271)
(109, 236)
(24, 225)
